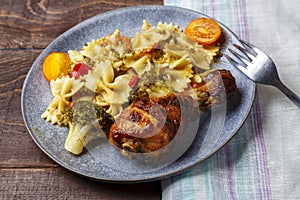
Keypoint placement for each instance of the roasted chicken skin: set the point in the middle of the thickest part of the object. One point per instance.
(217, 85)
(149, 124)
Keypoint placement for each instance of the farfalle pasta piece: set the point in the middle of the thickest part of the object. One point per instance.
(152, 35)
(62, 89)
(176, 80)
(75, 56)
(112, 109)
(106, 48)
(195, 53)
(102, 71)
(179, 74)
(137, 61)
(110, 90)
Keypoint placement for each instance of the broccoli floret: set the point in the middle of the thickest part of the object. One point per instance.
(87, 120)
(86, 112)
(150, 81)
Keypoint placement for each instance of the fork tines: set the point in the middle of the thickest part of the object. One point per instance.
(241, 55)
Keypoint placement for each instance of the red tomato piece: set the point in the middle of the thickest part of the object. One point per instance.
(133, 81)
(80, 69)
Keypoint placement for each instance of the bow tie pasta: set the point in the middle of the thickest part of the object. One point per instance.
(62, 90)
(158, 60)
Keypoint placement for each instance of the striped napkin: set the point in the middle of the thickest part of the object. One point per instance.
(263, 160)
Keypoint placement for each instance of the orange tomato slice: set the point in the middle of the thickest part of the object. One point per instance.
(203, 30)
(56, 65)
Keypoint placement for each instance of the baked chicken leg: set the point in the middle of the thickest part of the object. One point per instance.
(149, 124)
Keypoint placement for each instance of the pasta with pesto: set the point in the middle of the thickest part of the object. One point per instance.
(159, 58)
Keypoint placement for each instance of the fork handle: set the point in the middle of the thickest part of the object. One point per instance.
(289, 93)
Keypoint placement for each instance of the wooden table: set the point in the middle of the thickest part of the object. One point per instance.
(26, 28)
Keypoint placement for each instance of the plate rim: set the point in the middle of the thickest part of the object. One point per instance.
(139, 180)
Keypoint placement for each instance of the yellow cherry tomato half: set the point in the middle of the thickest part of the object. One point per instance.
(203, 30)
(56, 65)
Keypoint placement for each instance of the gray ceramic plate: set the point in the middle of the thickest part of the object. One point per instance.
(103, 163)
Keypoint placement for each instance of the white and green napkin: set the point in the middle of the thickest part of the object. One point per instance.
(263, 160)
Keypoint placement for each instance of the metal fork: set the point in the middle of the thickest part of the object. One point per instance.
(259, 67)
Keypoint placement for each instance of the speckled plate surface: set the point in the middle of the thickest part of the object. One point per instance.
(100, 165)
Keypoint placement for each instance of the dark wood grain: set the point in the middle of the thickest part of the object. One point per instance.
(54, 183)
(35, 23)
(15, 142)
(27, 27)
